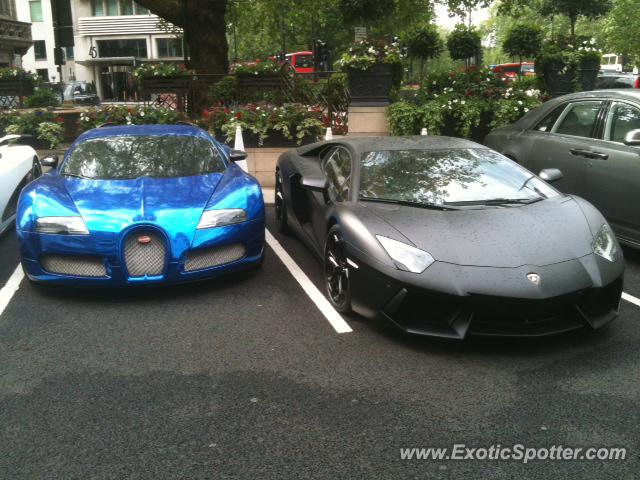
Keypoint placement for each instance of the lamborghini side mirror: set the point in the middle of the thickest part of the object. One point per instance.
(50, 161)
(632, 138)
(237, 155)
(551, 175)
(315, 184)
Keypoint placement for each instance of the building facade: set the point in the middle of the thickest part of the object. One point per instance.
(15, 35)
(112, 37)
(40, 57)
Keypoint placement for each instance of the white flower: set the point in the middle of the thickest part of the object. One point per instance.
(462, 102)
(526, 110)
(142, 113)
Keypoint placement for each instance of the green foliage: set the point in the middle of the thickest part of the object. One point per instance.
(294, 121)
(360, 12)
(465, 104)
(622, 28)
(366, 53)
(123, 115)
(565, 58)
(42, 98)
(226, 91)
(464, 42)
(423, 42)
(161, 70)
(43, 125)
(523, 41)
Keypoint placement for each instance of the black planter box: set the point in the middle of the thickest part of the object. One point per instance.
(275, 139)
(588, 73)
(558, 83)
(371, 87)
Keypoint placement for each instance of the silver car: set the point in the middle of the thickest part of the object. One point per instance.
(594, 139)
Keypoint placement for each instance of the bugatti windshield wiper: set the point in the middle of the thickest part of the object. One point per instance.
(76, 175)
(409, 203)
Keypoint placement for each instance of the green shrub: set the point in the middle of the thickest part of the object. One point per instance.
(464, 43)
(42, 98)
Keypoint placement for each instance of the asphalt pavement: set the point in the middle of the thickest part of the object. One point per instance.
(244, 378)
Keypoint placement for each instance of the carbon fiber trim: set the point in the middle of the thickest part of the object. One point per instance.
(145, 258)
(74, 265)
(213, 257)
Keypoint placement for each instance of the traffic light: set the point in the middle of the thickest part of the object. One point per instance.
(320, 55)
(59, 56)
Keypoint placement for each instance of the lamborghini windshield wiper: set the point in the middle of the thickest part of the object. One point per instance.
(75, 175)
(409, 203)
(501, 201)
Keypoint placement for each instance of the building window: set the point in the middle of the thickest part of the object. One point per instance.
(69, 53)
(98, 8)
(35, 7)
(40, 49)
(141, 10)
(169, 47)
(43, 73)
(122, 48)
(112, 8)
(126, 7)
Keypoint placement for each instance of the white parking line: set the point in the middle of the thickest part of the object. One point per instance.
(630, 299)
(11, 287)
(330, 313)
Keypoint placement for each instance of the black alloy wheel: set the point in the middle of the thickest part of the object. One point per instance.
(336, 270)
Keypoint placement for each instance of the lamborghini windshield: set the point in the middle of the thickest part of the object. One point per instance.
(454, 177)
(126, 157)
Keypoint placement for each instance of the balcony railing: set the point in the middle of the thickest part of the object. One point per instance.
(15, 34)
(121, 25)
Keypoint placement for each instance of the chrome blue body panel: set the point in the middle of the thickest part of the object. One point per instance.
(112, 208)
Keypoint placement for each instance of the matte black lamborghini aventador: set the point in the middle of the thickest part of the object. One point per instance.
(448, 238)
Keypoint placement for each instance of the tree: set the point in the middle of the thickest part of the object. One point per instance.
(572, 9)
(464, 43)
(622, 28)
(203, 22)
(362, 12)
(423, 42)
(523, 41)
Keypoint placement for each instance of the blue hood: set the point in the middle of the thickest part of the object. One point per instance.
(175, 204)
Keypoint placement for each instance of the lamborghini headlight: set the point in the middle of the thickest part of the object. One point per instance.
(61, 225)
(221, 218)
(406, 257)
(605, 244)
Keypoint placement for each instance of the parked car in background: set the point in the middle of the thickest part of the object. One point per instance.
(19, 165)
(511, 71)
(594, 138)
(617, 80)
(81, 93)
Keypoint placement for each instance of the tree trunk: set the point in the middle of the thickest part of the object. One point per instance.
(203, 22)
(573, 19)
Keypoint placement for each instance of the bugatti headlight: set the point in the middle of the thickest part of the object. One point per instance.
(406, 257)
(221, 218)
(605, 244)
(61, 225)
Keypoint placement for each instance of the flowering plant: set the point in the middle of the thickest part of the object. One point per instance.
(124, 115)
(294, 121)
(161, 70)
(366, 53)
(14, 73)
(258, 67)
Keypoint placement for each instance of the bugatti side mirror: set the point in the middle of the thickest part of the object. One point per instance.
(50, 161)
(632, 138)
(237, 155)
(551, 175)
(315, 184)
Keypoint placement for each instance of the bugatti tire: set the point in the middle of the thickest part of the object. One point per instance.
(281, 205)
(336, 269)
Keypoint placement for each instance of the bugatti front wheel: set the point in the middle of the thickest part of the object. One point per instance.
(336, 270)
(281, 205)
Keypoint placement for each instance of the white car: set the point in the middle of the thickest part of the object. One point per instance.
(19, 165)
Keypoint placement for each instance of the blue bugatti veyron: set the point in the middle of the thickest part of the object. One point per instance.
(141, 205)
